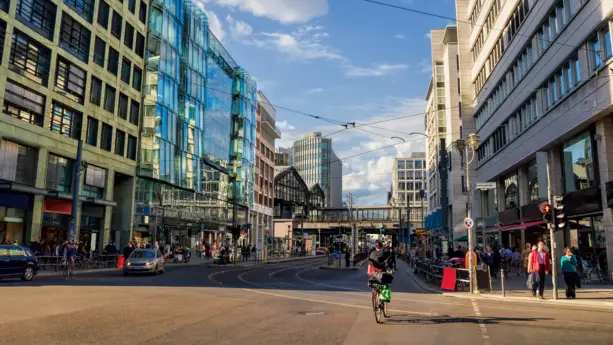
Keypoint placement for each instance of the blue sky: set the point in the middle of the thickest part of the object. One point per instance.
(347, 60)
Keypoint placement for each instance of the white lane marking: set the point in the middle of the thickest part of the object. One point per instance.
(334, 303)
(482, 326)
(210, 276)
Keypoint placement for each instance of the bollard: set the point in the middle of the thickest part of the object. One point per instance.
(504, 293)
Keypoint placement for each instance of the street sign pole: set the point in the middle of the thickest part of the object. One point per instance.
(468, 224)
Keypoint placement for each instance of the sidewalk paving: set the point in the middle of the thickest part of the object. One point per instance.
(593, 295)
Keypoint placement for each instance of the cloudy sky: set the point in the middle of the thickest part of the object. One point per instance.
(347, 60)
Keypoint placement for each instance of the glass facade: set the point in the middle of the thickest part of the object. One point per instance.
(198, 124)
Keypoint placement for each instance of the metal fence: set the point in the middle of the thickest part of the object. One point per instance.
(53, 263)
(432, 272)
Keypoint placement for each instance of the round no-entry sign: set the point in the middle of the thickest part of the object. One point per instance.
(468, 223)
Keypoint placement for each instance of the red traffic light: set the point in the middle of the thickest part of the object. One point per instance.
(545, 207)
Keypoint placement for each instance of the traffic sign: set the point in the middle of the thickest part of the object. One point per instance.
(485, 185)
(468, 223)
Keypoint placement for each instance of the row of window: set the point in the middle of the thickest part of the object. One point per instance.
(410, 175)
(411, 164)
(127, 109)
(116, 24)
(474, 14)
(558, 18)
(29, 106)
(504, 40)
(488, 26)
(557, 86)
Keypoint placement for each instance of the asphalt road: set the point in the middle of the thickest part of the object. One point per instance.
(291, 303)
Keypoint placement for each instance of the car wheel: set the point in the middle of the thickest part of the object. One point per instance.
(28, 274)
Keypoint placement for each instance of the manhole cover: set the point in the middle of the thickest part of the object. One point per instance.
(314, 313)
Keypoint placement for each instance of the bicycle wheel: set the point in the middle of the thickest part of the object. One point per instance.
(384, 309)
(378, 311)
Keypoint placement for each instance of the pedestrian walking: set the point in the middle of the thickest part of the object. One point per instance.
(568, 262)
(539, 263)
(347, 258)
(524, 258)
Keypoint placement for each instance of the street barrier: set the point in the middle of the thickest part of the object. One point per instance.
(433, 272)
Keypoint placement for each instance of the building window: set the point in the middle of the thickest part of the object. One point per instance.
(59, 173)
(594, 52)
(85, 8)
(103, 14)
(92, 131)
(109, 98)
(400, 164)
(95, 182)
(74, 38)
(120, 141)
(122, 109)
(95, 92)
(18, 162)
(418, 165)
(132, 6)
(140, 44)
(66, 121)
(510, 192)
(4, 5)
(113, 63)
(39, 15)
(126, 69)
(578, 158)
(106, 137)
(2, 35)
(99, 52)
(128, 37)
(116, 25)
(142, 12)
(131, 147)
(533, 182)
(23, 104)
(70, 80)
(29, 58)
(137, 78)
(134, 112)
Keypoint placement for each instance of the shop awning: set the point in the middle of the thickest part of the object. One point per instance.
(462, 239)
(515, 226)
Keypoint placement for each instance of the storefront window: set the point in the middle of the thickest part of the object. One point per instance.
(533, 182)
(578, 163)
(510, 191)
(59, 173)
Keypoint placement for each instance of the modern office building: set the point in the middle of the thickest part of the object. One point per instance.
(71, 70)
(541, 89)
(198, 132)
(287, 155)
(317, 163)
(408, 179)
(266, 132)
(445, 180)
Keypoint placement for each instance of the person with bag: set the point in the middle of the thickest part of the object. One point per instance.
(539, 263)
(568, 262)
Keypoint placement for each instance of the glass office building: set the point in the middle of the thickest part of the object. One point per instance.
(194, 123)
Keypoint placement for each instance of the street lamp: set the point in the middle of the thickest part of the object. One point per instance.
(471, 144)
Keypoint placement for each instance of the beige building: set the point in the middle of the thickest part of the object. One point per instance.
(408, 179)
(536, 78)
(71, 70)
(266, 133)
(444, 125)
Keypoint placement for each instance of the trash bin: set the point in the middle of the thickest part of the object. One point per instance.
(120, 260)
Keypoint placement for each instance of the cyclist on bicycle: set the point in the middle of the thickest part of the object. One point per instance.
(70, 253)
(381, 262)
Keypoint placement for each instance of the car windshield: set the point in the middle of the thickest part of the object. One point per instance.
(143, 254)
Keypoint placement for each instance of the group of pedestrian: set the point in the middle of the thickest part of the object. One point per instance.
(539, 266)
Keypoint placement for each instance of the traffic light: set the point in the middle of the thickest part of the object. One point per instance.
(545, 209)
(558, 202)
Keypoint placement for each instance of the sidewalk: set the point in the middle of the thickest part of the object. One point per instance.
(593, 295)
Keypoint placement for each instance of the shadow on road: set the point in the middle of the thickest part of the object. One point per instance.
(444, 319)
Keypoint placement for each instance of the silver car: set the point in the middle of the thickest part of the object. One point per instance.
(144, 261)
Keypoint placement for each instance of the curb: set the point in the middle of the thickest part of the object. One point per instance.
(106, 270)
(421, 284)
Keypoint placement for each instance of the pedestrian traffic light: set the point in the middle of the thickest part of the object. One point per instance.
(545, 209)
(558, 202)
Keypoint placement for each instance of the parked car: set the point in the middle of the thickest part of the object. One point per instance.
(144, 261)
(321, 251)
(17, 262)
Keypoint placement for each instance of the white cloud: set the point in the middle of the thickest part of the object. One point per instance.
(374, 71)
(285, 126)
(316, 90)
(238, 28)
(428, 36)
(215, 25)
(302, 44)
(399, 36)
(284, 11)
(425, 66)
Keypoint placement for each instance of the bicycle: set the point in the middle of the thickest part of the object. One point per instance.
(68, 270)
(378, 305)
